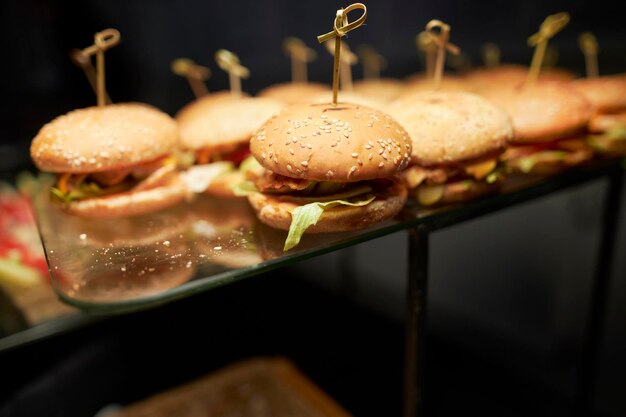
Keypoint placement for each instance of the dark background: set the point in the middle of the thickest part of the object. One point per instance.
(39, 82)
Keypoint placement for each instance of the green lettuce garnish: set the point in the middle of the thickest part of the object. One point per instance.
(307, 215)
(250, 164)
(243, 188)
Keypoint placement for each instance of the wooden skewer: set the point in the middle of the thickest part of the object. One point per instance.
(84, 62)
(195, 74)
(300, 55)
(425, 43)
(373, 62)
(102, 41)
(589, 46)
(229, 62)
(348, 59)
(341, 27)
(552, 25)
(440, 33)
(491, 55)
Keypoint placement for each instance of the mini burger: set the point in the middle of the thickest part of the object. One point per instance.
(294, 92)
(550, 121)
(217, 132)
(607, 126)
(111, 161)
(328, 168)
(456, 140)
(510, 75)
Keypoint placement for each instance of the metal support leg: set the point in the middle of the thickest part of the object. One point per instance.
(415, 323)
(594, 330)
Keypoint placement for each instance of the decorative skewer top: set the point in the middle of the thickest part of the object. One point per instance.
(341, 26)
(230, 63)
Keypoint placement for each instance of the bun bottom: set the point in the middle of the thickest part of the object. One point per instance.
(130, 203)
(276, 213)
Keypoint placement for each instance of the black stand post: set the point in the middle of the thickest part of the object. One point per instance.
(416, 322)
(594, 329)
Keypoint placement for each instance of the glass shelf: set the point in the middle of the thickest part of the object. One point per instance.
(119, 265)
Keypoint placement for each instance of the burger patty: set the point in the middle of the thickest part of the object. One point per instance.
(233, 153)
(416, 175)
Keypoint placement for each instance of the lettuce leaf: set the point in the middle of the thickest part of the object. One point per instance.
(252, 166)
(305, 216)
(198, 177)
(527, 163)
(243, 188)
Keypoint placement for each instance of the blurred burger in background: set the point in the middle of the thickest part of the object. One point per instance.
(111, 161)
(549, 121)
(457, 138)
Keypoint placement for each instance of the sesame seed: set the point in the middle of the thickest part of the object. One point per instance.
(380, 151)
(294, 139)
(275, 160)
(263, 155)
(323, 116)
(384, 155)
(330, 174)
(304, 163)
(370, 156)
(352, 170)
(291, 151)
(354, 155)
(289, 168)
(360, 162)
(382, 164)
(308, 145)
(346, 134)
(368, 147)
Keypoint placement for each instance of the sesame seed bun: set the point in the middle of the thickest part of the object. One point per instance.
(97, 139)
(294, 92)
(130, 203)
(451, 126)
(212, 123)
(543, 111)
(325, 142)
(383, 89)
(274, 212)
(607, 93)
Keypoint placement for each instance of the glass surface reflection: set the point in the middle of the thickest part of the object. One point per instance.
(114, 265)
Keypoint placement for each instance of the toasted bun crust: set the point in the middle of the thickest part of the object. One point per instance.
(322, 142)
(383, 89)
(543, 111)
(276, 213)
(607, 93)
(451, 126)
(210, 123)
(98, 139)
(130, 203)
(294, 92)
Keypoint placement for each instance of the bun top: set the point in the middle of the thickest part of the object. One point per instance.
(98, 139)
(383, 89)
(223, 121)
(323, 142)
(543, 111)
(451, 126)
(607, 93)
(511, 75)
(294, 92)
